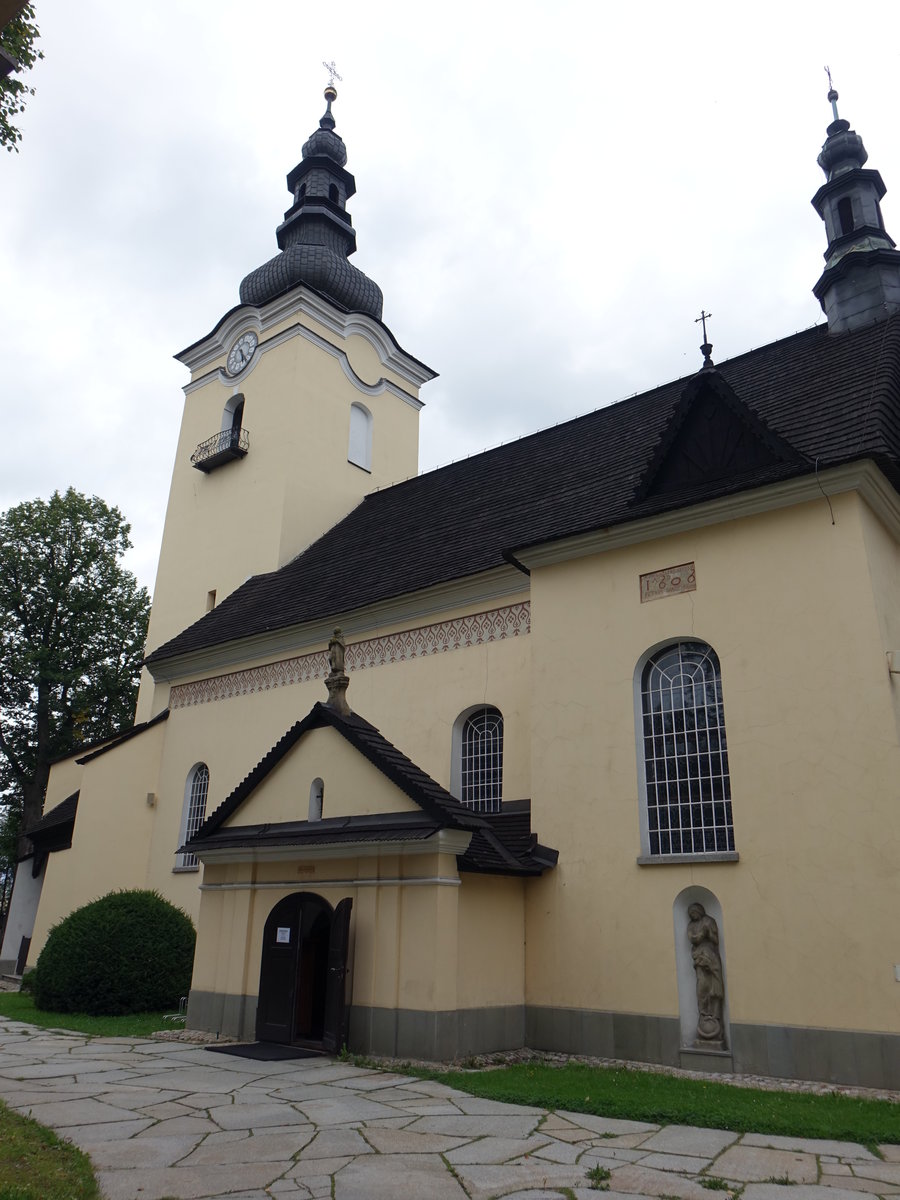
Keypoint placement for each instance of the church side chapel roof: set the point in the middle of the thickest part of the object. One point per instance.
(809, 400)
(489, 851)
(55, 819)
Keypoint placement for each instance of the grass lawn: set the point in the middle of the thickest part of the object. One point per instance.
(19, 1006)
(36, 1165)
(667, 1100)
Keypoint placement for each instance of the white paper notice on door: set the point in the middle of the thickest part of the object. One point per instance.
(283, 934)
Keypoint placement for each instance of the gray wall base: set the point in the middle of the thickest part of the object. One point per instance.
(436, 1036)
(228, 1016)
(692, 1059)
(784, 1052)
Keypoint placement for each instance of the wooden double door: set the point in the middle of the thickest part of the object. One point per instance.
(303, 973)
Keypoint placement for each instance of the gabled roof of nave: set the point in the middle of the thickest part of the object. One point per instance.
(823, 400)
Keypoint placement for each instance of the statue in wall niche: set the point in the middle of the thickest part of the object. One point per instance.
(703, 934)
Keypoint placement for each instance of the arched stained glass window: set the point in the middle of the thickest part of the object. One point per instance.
(195, 793)
(685, 753)
(482, 760)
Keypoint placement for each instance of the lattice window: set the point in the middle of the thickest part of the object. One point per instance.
(685, 753)
(482, 760)
(195, 809)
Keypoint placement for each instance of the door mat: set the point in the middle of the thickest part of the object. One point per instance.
(266, 1051)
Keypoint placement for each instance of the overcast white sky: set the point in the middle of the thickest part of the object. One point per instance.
(548, 193)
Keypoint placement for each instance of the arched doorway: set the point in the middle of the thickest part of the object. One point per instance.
(303, 973)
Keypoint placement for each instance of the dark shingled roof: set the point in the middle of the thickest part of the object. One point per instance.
(809, 397)
(489, 851)
(119, 738)
(52, 832)
(55, 818)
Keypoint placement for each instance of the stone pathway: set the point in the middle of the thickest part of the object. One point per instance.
(166, 1119)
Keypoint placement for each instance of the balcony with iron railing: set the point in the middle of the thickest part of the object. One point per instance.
(221, 448)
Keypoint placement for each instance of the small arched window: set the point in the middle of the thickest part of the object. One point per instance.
(481, 760)
(359, 450)
(333, 194)
(196, 790)
(316, 799)
(683, 752)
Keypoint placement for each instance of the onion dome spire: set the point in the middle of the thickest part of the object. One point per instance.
(316, 237)
(861, 280)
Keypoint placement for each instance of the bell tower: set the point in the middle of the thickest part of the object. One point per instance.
(861, 280)
(300, 402)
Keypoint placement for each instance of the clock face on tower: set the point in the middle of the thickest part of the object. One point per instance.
(241, 353)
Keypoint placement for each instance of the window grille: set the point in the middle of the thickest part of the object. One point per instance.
(685, 754)
(482, 760)
(196, 810)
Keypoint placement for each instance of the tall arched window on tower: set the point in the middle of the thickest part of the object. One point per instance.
(359, 451)
(480, 761)
(233, 418)
(196, 789)
(845, 215)
(683, 755)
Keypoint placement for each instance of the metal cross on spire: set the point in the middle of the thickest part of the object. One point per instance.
(332, 73)
(832, 94)
(707, 346)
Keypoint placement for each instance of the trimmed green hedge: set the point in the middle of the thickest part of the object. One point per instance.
(127, 952)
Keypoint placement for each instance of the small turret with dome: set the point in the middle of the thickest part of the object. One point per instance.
(316, 237)
(861, 280)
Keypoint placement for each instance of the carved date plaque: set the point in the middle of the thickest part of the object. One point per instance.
(668, 582)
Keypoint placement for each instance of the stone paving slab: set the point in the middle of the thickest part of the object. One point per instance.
(384, 1177)
(683, 1163)
(751, 1163)
(852, 1183)
(685, 1139)
(407, 1141)
(812, 1145)
(889, 1172)
(808, 1191)
(186, 1183)
(484, 1182)
(634, 1177)
(169, 1120)
(606, 1124)
(495, 1149)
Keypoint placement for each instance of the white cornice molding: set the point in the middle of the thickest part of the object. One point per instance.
(473, 591)
(302, 302)
(863, 477)
(443, 841)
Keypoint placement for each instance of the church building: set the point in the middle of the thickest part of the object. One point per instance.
(589, 743)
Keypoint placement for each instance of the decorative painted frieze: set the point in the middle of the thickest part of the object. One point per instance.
(477, 629)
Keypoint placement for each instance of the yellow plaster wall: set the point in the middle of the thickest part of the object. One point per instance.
(65, 778)
(254, 514)
(403, 924)
(353, 786)
(414, 704)
(112, 837)
(786, 600)
(491, 950)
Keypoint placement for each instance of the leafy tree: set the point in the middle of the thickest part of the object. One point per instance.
(72, 629)
(17, 38)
